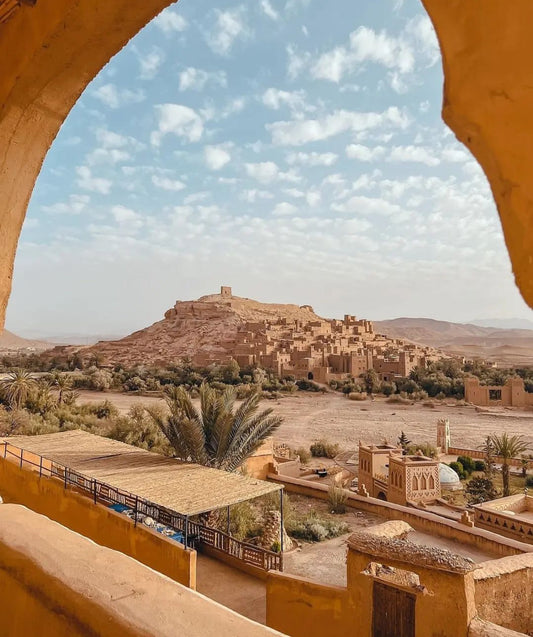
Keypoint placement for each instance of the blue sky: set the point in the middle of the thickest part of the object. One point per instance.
(290, 148)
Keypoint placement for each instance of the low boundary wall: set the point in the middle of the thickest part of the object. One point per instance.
(97, 522)
(290, 598)
(421, 520)
(504, 592)
(480, 455)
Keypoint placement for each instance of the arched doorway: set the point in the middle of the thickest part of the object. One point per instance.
(310, 376)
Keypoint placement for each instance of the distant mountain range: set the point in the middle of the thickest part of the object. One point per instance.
(505, 324)
(12, 342)
(504, 346)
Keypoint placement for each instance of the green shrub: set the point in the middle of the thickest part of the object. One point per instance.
(276, 547)
(244, 521)
(307, 385)
(425, 448)
(480, 490)
(324, 449)
(304, 454)
(314, 528)
(357, 396)
(398, 400)
(529, 481)
(480, 465)
(337, 498)
(459, 470)
(468, 464)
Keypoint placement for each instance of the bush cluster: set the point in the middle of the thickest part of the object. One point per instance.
(315, 528)
(324, 449)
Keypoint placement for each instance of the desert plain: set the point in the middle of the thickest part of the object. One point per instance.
(308, 417)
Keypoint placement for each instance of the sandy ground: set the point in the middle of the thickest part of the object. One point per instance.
(309, 417)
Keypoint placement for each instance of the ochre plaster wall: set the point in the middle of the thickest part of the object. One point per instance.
(56, 583)
(504, 592)
(97, 522)
(487, 54)
(302, 608)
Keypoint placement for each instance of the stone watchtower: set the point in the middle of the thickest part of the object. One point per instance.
(225, 292)
(443, 435)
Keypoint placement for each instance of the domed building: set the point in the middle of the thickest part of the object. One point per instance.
(449, 480)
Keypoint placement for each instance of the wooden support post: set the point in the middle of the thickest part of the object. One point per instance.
(281, 520)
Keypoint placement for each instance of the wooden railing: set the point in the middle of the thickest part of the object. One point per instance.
(102, 492)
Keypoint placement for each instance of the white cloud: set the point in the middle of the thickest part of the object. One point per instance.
(252, 195)
(216, 157)
(299, 132)
(422, 32)
(128, 219)
(95, 184)
(196, 79)
(107, 156)
(149, 63)
(296, 62)
(170, 22)
(455, 155)
(195, 197)
(313, 198)
(267, 172)
(229, 26)
(75, 205)
(284, 209)
(417, 154)
(415, 46)
(269, 10)
(368, 206)
(365, 46)
(275, 98)
(179, 120)
(312, 159)
(114, 97)
(165, 183)
(364, 153)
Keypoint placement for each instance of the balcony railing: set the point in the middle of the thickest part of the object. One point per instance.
(195, 533)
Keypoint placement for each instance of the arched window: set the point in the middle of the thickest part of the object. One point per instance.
(415, 483)
(431, 482)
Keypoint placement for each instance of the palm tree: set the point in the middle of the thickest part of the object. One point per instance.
(507, 447)
(17, 387)
(219, 435)
(63, 382)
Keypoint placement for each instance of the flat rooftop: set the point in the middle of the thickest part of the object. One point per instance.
(186, 488)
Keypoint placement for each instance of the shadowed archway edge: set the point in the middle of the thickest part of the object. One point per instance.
(50, 52)
(487, 53)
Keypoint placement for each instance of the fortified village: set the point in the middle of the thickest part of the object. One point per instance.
(286, 339)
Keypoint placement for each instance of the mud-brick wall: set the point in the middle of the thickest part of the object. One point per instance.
(302, 608)
(504, 592)
(97, 522)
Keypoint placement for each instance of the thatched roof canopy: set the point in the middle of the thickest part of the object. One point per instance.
(182, 487)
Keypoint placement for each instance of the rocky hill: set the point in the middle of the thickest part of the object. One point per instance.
(199, 330)
(504, 346)
(10, 342)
